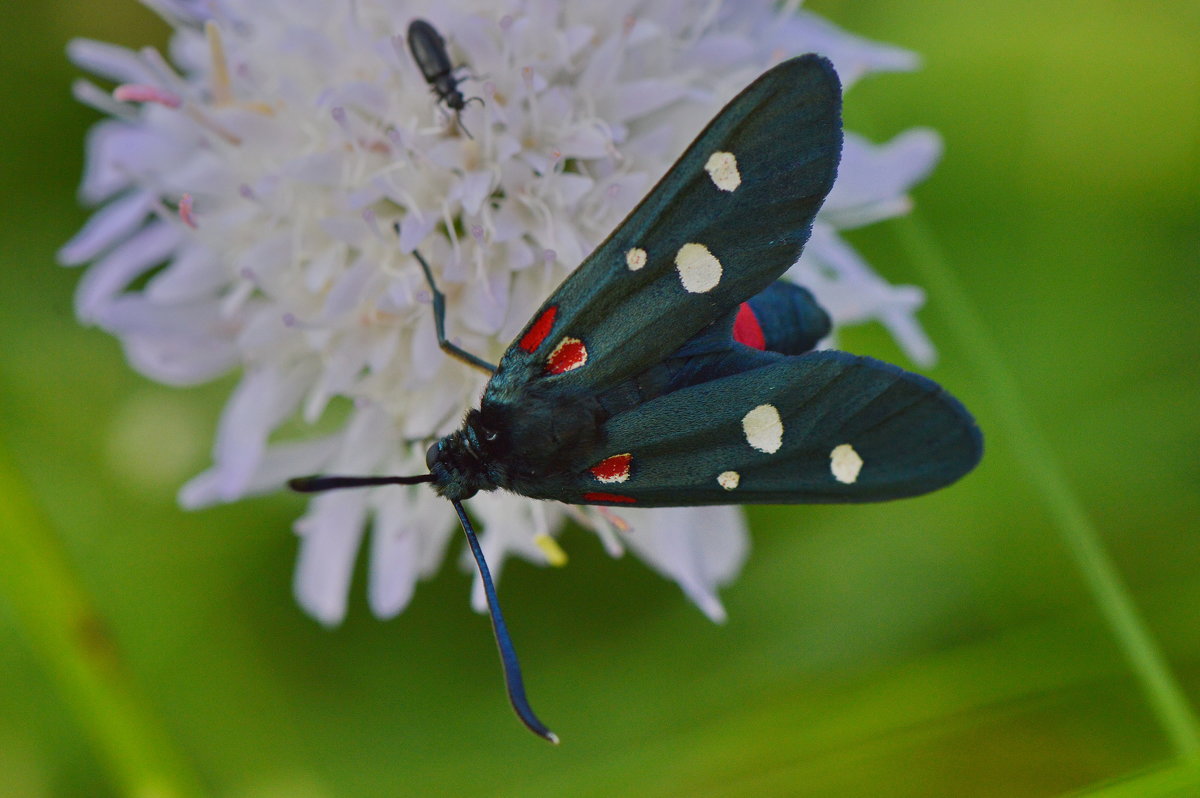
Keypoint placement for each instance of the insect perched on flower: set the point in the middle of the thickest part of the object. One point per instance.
(668, 370)
(429, 51)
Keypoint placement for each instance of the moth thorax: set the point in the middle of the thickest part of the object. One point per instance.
(544, 434)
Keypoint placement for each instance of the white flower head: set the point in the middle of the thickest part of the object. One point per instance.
(261, 193)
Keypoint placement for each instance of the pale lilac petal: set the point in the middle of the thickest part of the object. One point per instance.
(113, 223)
(110, 61)
(641, 97)
(91, 95)
(718, 50)
(571, 189)
(179, 360)
(575, 38)
(117, 152)
(279, 463)
(408, 541)
(106, 278)
(425, 356)
(474, 190)
(701, 548)
(843, 283)
(484, 303)
(873, 179)
(330, 534)
(195, 272)
(318, 169)
(263, 399)
(413, 229)
(178, 12)
(135, 313)
(345, 364)
(511, 525)
(348, 290)
(264, 262)
(392, 578)
(332, 530)
(852, 56)
(349, 230)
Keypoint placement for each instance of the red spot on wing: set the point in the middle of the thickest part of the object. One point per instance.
(615, 498)
(538, 331)
(746, 329)
(569, 354)
(613, 469)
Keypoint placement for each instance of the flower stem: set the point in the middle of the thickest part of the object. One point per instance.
(81, 656)
(1020, 432)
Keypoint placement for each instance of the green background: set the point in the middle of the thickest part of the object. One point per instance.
(944, 646)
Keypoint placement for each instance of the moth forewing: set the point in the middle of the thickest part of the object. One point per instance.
(700, 242)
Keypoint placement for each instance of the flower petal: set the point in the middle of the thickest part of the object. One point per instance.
(873, 179)
(108, 226)
(330, 534)
(701, 548)
(106, 278)
(118, 64)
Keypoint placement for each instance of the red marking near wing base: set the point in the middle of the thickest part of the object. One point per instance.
(613, 469)
(538, 331)
(609, 497)
(746, 329)
(569, 354)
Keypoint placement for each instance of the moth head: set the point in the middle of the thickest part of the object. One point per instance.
(457, 463)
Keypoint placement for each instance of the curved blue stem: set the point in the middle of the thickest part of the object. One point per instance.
(508, 654)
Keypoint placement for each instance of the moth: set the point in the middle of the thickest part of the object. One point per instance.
(428, 49)
(672, 369)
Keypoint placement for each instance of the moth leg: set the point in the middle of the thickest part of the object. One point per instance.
(439, 321)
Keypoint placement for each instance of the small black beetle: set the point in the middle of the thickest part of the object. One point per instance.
(429, 51)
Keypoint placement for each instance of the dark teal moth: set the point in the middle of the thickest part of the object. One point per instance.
(672, 369)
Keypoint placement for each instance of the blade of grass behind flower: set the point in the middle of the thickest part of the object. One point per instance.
(80, 656)
(1179, 781)
(1022, 434)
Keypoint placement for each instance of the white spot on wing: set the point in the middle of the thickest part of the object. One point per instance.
(699, 270)
(635, 259)
(729, 479)
(763, 428)
(845, 463)
(722, 168)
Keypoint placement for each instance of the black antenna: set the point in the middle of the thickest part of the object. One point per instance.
(508, 654)
(317, 484)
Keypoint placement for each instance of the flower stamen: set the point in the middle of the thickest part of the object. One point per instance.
(222, 88)
(186, 213)
(142, 93)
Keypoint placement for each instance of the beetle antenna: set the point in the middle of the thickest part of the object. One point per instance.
(317, 484)
(508, 654)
